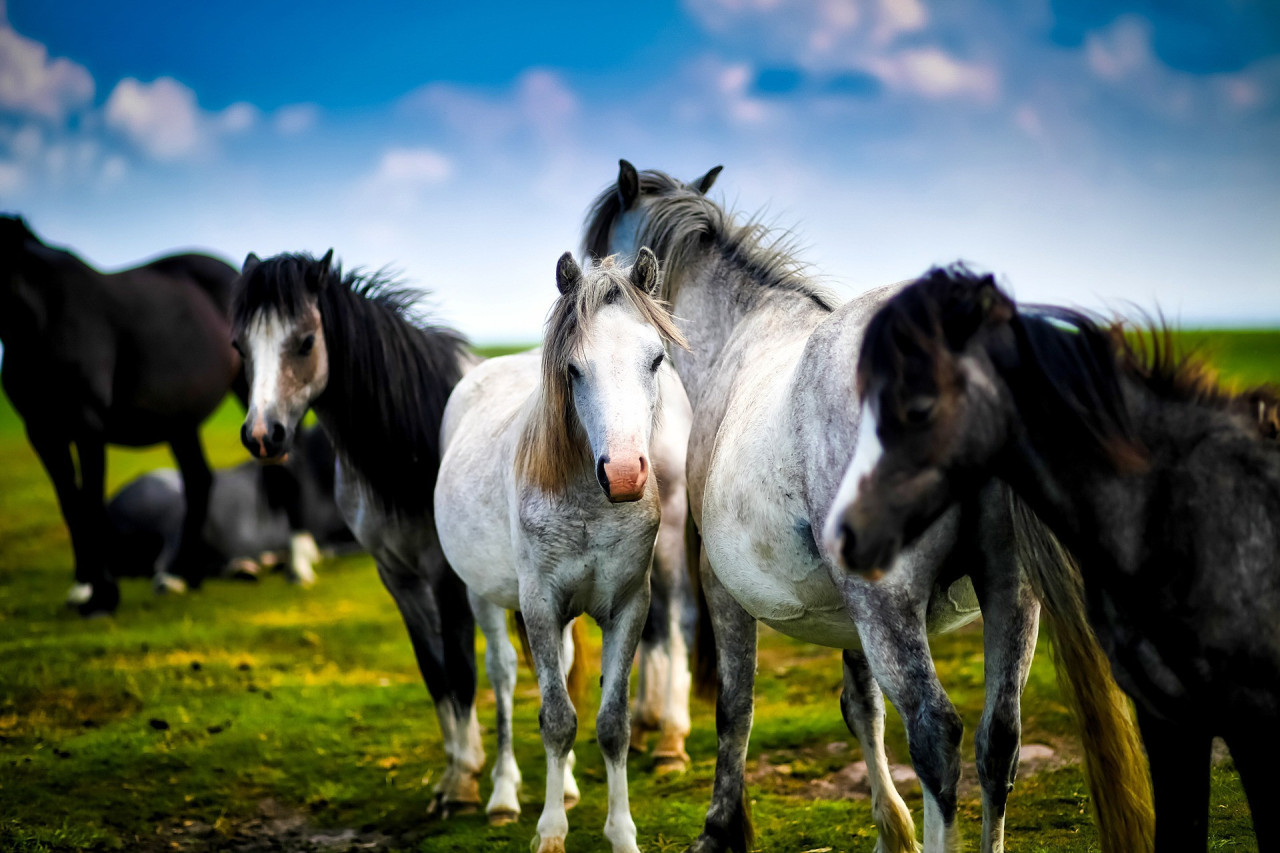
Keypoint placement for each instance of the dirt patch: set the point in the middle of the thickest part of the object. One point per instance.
(274, 830)
(799, 773)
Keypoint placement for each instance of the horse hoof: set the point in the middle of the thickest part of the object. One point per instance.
(546, 845)
(103, 602)
(166, 583)
(79, 594)
(503, 817)
(670, 764)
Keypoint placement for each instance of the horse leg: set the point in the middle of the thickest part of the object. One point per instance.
(556, 718)
(862, 704)
(621, 635)
(568, 651)
(1011, 616)
(1256, 753)
(500, 664)
(1178, 756)
(669, 653)
(197, 481)
(458, 626)
(897, 648)
(728, 823)
(92, 453)
(423, 612)
(55, 455)
(284, 491)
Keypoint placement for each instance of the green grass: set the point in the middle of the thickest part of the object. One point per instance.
(183, 720)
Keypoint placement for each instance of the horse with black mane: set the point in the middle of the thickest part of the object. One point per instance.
(136, 357)
(1163, 486)
(350, 347)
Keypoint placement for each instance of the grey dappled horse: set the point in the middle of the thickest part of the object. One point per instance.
(548, 503)
(767, 376)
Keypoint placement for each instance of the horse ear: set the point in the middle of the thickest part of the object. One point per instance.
(706, 181)
(326, 269)
(996, 306)
(628, 184)
(644, 273)
(568, 273)
(973, 309)
(250, 261)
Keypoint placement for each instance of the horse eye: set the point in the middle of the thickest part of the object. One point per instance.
(574, 372)
(308, 342)
(919, 410)
(657, 362)
(235, 345)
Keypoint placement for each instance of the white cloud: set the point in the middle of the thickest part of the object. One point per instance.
(164, 120)
(932, 73)
(539, 103)
(295, 119)
(31, 84)
(402, 178)
(828, 37)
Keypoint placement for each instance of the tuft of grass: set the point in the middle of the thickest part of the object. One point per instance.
(183, 721)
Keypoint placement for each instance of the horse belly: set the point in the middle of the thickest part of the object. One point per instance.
(759, 555)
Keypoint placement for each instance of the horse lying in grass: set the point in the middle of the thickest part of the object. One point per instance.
(548, 503)
(767, 376)
(245, 528)
(135, 358)
(1163, 487)
(349, 347)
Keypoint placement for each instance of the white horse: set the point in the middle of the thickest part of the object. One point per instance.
(545, 504)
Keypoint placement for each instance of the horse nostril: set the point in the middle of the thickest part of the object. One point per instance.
(644, 466)
(277, 433)
(601, 476)
(848, 544)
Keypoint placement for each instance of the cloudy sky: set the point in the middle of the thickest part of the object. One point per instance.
(1087, 152)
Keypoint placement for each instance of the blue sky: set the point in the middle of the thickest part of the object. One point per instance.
(1087, 152)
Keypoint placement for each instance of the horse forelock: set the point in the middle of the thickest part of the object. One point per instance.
(552, 450)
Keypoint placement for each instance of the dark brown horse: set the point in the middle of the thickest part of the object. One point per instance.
(137, 357)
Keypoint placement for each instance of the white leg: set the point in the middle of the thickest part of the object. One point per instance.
(500, 664)
(613, 729)
(939, 837)
(675, 724)
(460, 786)
(303, 555)
(567, 653)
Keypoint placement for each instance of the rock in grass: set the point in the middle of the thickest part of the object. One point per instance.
(158, 724)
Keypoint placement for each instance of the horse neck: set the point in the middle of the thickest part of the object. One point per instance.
(384, 417)
(719, 306)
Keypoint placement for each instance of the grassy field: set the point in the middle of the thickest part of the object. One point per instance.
(267, 717)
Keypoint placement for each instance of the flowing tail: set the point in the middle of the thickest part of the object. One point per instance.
(576, 679)
(1115, 763)
(705, 678)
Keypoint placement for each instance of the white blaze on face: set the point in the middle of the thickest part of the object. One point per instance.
(265, 339)
(618, 392)
(866, 456)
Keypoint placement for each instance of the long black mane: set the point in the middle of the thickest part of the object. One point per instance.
(1072, 364)
(390, 374)
(681, 222)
